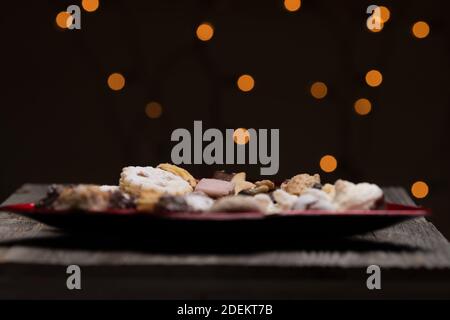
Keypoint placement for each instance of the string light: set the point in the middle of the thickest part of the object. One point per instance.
(292, 5)
(116, 81)
(246, 83)
(374, 78)
(153, 110)
(419, 189)
(363, 106)
(241, 136)
(319, 90)
(90, 5)
(205, 31)
(421, 29)
(63, 19)
(328, 163)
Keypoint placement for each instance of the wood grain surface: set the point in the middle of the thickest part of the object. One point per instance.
(414, 257)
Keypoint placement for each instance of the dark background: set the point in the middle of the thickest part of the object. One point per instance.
(61, 123)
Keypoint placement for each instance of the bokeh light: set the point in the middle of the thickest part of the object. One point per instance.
(375, 23)
(205, 31)
(292, 5)
(246, 83)
(63, 19)
(419, 189)
(421, 29)
(328, 163)
(241, 136)
(153, 110)
(385, 14)
(319, 90)
(363, 106)
(374, 78)
(90, 5)
(116, 81)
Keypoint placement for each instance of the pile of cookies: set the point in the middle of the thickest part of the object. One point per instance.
(169, 188)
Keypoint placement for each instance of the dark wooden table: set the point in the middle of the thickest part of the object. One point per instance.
(414, 258)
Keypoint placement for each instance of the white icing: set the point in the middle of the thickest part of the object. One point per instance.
(199, 202)
(360, 196)
(266, 202)
(284, 200)
(106, 188)
(149, 178)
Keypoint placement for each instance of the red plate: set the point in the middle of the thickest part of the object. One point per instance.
(301, 223)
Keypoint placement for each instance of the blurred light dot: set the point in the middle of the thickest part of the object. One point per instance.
(153, 110)
(419, 189)
(421, 29)
(246, 83)
(328, 163)
(90, 5)
(205, 31)
(319, 90)
(241, 136)
(116, 81)
(292, 5)
(374, 23)
(385, 14)
(64, 19)
(363, 106)
(374, 78)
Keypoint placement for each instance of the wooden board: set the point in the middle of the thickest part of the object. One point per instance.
(413, 255)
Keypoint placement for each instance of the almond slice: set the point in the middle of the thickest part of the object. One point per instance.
(182, 173)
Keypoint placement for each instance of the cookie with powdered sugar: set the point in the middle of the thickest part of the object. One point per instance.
(136, 180)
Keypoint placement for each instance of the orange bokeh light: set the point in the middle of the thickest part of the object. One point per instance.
(90, 5)
(246, 83)
(363, 106)
(241, 136)
(116, 81)
(153, 110)
(63, 19)
(292, 5)
(420, 189)
(328, 163)
(385, 14)
(319, 90)
(205, 31)
(421, 29)
(374, 78)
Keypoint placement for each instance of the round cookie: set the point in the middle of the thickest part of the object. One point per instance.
(136, 180)
(361, 196)
(283, 199)
(300, 183)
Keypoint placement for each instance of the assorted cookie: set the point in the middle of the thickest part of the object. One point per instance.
(86, 197)
(361, 196)
(169, 188)
(237, 203)
(215, 188)
(136, 180)
(182, 173)
(300, 183)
